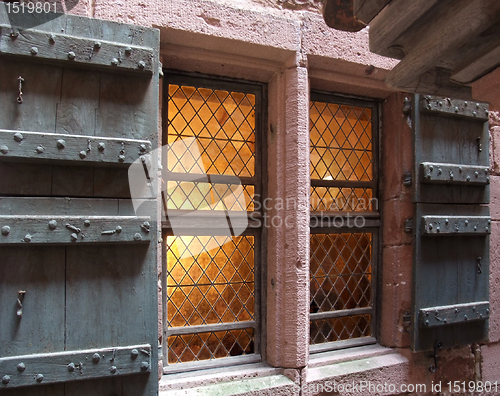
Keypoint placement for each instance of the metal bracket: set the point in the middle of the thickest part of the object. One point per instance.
(453, 225)
(408, 225)
(452, 314)
(455, 107)
(407, 179)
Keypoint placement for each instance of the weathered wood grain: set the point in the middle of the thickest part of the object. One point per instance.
(32, 230)
(87, 52)
(76, 365)
(25, 179)
(78, 149)
(366, 10)
(62, 206)
(39, 272)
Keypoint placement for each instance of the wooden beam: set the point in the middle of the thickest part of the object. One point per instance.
(389, 25)
(480, 65)
(439, 40)
(366, 10)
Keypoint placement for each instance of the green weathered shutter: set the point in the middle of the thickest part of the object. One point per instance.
(78, 267)
(451, 222)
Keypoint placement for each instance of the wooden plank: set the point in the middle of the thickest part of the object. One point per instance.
(80, 149)
(436, 172)
(477, 66)
(111, 183)
(366, 10)
(50, 368)
(46, 390)
(455, 225)
(72, 181)
(387, 28)
(79, 101)
(74, 50)
(41, 94)
(443, 38)
(25, 179)
(39, 272)
(454, 107)
(451, 314)
(32, 230)
(63, 206)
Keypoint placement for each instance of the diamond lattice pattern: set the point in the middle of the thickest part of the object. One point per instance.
(223, 123)
(339, 329)
(205, 346)
(340, 271)
(208, 283)
(339, 199)
(209, 196)
(341, 142)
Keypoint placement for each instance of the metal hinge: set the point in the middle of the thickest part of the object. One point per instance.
(407, 180)
(409, 225)
(407, 106)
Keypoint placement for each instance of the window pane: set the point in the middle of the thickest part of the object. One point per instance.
(339, 329)
(340, 198)
(341, 142)
(211, 345)
(210, 280)
(340, 271)
(223, 123)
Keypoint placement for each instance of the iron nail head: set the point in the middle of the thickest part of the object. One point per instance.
(5, 379)
(71, 367)
(4, 149)
(52, 39)
(52, 224)
(40, 149)
(21, 367)
(141, 64)
(34, 51)
(134, 353)
(5, 230)
(86, 223)
(71, 55)
(61, 143)
(118, 229)
(114, 62)
(101, 146)
(97, 45)
(144, 366)
(112, 369)
(74, 237)
(83, 154)
(96, 357)
(27, 238)
(138, 237)
(39, 377)
(18, 137)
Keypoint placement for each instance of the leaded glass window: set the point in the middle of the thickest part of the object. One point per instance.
(212, 268)
(344, 221)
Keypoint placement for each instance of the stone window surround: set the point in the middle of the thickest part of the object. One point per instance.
(286, 361)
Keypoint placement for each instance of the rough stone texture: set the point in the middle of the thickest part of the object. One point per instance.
(396, 295)
(288, 260)
(494, 331)
(490, 365)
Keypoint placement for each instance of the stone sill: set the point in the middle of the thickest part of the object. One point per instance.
(227, 381)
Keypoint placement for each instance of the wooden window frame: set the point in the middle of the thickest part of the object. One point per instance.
(322, 221)
(255, 228)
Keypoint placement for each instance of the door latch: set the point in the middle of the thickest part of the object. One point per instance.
(433, 367)
(20, 80)
(20, 298)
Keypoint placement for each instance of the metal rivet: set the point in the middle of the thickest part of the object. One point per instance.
(114, 62)
(18, 137)
(430, 226)
(438, 229)
(486, 112)
(121, 158)
(4, 149)
(52, 39)
(71, 55)
(143, 148)
(83, 154)
(74, 237)
(112, 369)
(466, 222)
(440, 171)
(144, 366)
(456, 109)
(465, 317)
(27, 238)
(141, 64)
(87, 223)
(486, 229)
(5, 230)
(118, 229)
(96, 358)
(14, 34)
(440, 103)
(71, 367)
(445, 321)
(97, 45)
(446, 221)
(428, 176)
(128, 50)
(487, 310)
(456, 310)
(431, 168)
(52, 224)
(134, 353)
(460, 169)
(39, 377)
(61, 144)
(475, 228)
(137, 237)
(488, 180)
(451, 175)
(21, 367)
(5, 379)
(489, 221)
(427, 323)
(480, 316)
(474, 114)
(101, 146)
(473, 308)
(40, 149)
(477, 105)
(476, 174)
(34, 51)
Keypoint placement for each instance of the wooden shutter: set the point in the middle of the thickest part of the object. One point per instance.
(451, 222)
(78, 267)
